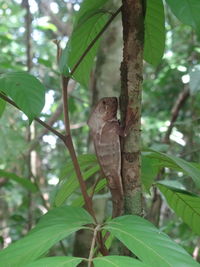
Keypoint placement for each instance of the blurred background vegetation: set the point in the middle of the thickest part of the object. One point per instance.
(170, 120)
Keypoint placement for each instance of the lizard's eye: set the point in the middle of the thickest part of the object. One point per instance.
(104, 102)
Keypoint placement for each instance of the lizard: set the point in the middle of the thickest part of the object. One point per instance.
(105, 131)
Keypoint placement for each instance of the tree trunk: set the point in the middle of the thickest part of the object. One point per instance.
(131, 77)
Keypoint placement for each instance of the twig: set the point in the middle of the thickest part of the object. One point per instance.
(29, 130)
(97, 228)
(156, 204)
(51, 129)
(63, 28)
(182, 97)
(69, 144)
(94, 186)
(61, 136)
(44, 131)
(68, 141)
(44, 202)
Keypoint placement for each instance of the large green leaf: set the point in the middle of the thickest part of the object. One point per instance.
(154, 43)
(150, 170)
(187, 11)
(89, 166)
(25, 90)
(89, 22)
(55, 262)
(148, 243)
(53, 226)
(85, 161)
(22, 181)
(68, 187)
(88, 8)
(2, 106)
(118, 261)
(185, 204)
(79, 202)
(176, 163)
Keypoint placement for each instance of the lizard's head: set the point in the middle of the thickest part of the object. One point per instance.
(107, 107)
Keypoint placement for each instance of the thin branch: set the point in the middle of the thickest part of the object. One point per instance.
(7, 99)
(69, 144)
(190, 152)
(50, 122)
(182, 97)
(44, 202)
(51, 129)
(68, 141)
(63, 28)
(97, 228)
(29, 129)
(156, 204)
(28, 21)
(94, 186)
(44, 131)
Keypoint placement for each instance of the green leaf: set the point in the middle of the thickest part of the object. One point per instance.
(118, 261)
(79, 202)
(154, 42)
(55, 262)
(149, 244)
(45, 62)
(53, 227)
(177, 163)
(89, 22)
(26, 91)
(22, 181)
(85, 161)
(68, 187)
(46, 27)
(185, 204)
(149, 171)
(173, 183)
(187, 11)
(88, 7)
(2, 106)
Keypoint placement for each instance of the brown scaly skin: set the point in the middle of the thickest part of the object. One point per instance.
(105, 132)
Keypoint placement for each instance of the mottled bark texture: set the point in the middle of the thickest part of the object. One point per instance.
(130, 101)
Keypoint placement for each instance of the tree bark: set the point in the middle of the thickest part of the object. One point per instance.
(130, 102)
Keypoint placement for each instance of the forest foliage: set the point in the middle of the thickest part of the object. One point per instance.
(40, 216)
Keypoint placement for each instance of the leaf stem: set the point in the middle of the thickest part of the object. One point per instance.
(69, 144)
(51, 129)
(68, 141)
(96, 229)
